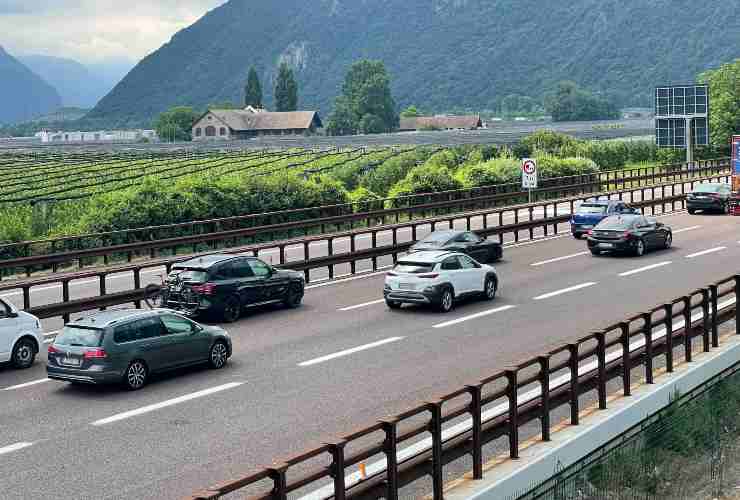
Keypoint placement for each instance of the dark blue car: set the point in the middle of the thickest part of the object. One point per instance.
(593, 211)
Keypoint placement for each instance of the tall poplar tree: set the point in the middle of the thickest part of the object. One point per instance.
(286, 89)
(253, 90)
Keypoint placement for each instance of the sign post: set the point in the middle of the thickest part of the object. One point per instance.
(736, 162)
(529, 175)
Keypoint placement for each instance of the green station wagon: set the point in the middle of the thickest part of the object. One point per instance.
(127, 346)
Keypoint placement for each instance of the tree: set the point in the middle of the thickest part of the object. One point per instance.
(253, 90)
(572, 103)
(366, 101)
(175, 124)
(286, 89)
(410, 112)
(724, 97)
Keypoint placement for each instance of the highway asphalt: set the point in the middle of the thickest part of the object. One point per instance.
(300, 377)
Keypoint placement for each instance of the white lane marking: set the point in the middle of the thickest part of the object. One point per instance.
(347, 352)
(365, 304)
(164, 404)
(357, 276)
(27, 384)
(536, 239)
(705, 252)
(473, 316)
(558, 259)
(14, 447)
(465, 426)
(683, 230)
(646, 268)
(565, 290)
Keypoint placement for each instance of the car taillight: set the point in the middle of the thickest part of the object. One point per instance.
(53, 349)
(207, 289)
(590, 232)
(429, 275)
(627, 234)
(391, 273)
(96, 353)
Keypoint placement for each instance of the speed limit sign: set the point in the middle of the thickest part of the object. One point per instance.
(529, 173)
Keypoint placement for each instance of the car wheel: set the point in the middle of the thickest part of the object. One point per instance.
(489, 289)
(136, 375)
(392, 304)
(293, 296)
(232, 310)
(447, 301)
(668, 241)
(640, 248)
(219, 355)
(691, 211)
(24, 353)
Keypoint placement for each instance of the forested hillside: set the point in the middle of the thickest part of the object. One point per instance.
(23, 94)
(441, 54)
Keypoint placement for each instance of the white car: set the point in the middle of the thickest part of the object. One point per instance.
(438, 278)
(21, 336)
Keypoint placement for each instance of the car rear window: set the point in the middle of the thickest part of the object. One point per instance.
(437, 238)
(413, 267)
(196, 275)
(707, 188)
(615, 224)
(589, 208)
(76, 336)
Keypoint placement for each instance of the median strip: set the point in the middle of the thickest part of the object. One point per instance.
(705, 252)
(646, 268)
(164, 404)
(473, 316)
(347, 352)
(565, 290)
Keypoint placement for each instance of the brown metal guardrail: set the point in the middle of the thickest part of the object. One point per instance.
(497, 406)
(128, 243)
(550, 221)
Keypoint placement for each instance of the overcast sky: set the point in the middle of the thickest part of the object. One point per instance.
(95, 30)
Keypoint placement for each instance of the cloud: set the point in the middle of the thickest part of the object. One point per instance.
(95, 30)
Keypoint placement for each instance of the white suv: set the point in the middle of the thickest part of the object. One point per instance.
(438, 278)
(21, 336)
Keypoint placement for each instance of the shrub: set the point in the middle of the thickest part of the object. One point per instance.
(383, 177)
(364, 200)
(425, 179)
(498, 171)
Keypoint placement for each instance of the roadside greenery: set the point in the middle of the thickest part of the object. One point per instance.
(724, 95)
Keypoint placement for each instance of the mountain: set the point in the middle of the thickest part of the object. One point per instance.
(78, 86)
(442, 54)
(23, 94)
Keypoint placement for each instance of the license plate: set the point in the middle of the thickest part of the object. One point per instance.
(606, 245)
(71, 361)
(406, 286)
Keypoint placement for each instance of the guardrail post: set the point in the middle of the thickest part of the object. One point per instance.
(65, 298)
(601, 359)
(375, 245)
(737, 304)
(647, 329)
(306, 251)
(511, 392)
(435, 428)
(391, 457)
(705, 318)
(715, 333)
(573, 366)
(626, 359)
(137, 285)
(279, 481)
(687, 328)
(101, 279)
(282, 254)
(26, 297)
(668, 309)
(544, 362)
(476, 414)
(337, 468)
(352, 249)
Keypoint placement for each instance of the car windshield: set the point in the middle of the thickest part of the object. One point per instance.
(590, 208)
(185, 274)
(413, 267)
(615, 224)
(76, 336)
(437, 239)
(707, 188)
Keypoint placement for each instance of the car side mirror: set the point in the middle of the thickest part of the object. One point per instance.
(12, 312)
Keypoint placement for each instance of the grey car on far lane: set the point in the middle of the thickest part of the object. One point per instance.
(127, 346)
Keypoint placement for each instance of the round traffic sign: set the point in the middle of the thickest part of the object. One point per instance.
(529, 167)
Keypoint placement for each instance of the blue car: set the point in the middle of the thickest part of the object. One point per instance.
(593, 211)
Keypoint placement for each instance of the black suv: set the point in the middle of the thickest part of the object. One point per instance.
(223, 285)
